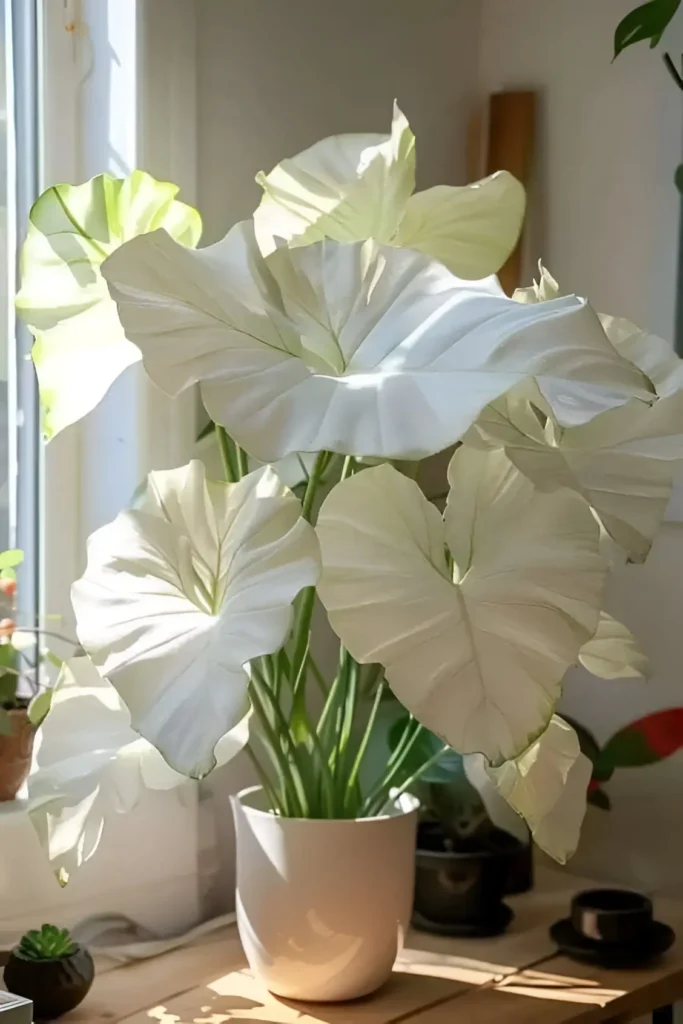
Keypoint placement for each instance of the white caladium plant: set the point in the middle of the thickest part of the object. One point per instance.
(90, 763)
(354, 187)
(183, 592)
(338, 340)
(354, 327)
(80, 348)
(546, 784)
(623, 460)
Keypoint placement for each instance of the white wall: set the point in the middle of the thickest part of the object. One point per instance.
(274, 77)
(605, 211)
(605, 217)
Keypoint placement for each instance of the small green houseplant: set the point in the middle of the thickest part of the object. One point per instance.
(469, 855)
(23, 701)
(51, 970)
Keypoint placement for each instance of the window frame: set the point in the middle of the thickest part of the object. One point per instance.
(23, 34)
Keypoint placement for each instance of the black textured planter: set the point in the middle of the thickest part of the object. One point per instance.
(521, 877)
(461, 891)
(54, 986)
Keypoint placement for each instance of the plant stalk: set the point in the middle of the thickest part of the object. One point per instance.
(380, 792)
(226, 455)
(363, 746)
(242, 462)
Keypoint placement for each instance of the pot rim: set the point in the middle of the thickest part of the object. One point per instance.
(410, 806)
(460, 855)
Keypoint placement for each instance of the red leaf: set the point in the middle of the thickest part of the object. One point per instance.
(663, 731)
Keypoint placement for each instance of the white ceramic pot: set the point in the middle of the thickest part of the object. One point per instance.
(322, 906)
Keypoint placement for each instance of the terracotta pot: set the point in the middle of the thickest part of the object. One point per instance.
(54, 986)
(15, 754)
(322, 906)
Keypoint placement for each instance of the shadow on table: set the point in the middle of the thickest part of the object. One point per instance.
(421, 980)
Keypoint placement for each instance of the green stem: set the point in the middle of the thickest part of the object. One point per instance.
(348, 715)
(312, 485)
(281, 728)
(296, 754)
(371, 677)
(267, 671)
(415, 777)
(278, 757)
(226, 454)
(411, 726)
(331, 704)
(318, 676)
(242, 461)
(348, 467)
(302, 628)
(673, 70)
(326, 777)
(266, 784)
(380, 792)
(355, 769)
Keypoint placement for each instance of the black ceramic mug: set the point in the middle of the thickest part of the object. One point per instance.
(613, 916)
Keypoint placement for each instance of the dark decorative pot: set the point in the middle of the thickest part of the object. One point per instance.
(54, 986)
(460, 891)
(521, 877)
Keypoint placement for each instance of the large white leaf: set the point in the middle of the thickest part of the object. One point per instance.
(613, 653)
(472, 229)
(179, 596)
(89, 763)
(360, 349)
(80, 347)
(346, 187)
(477, 656)
(624, 460)
(546, 785)
(354, 187)
(653, 355)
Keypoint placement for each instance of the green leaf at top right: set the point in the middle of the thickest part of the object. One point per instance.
(649, 21)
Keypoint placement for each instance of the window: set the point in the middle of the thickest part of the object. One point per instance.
(69, 85)
(20, 444)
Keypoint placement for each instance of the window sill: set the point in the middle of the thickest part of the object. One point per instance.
(146, 868)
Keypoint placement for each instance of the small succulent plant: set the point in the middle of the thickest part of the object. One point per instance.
(46, 943)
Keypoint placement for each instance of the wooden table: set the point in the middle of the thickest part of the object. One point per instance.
(516, 978)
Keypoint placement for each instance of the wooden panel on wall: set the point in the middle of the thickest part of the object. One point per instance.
(512, 123)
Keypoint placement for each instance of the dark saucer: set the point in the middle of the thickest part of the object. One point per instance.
(654, 941)
(495, 925)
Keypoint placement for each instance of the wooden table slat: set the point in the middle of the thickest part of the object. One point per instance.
(238, 996)
(516, 978)
(119, 993)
